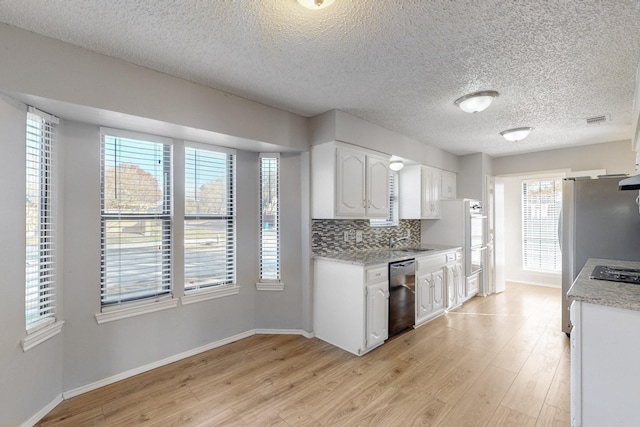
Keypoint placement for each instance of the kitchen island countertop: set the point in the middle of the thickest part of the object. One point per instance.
(383, 255)
(604, 292)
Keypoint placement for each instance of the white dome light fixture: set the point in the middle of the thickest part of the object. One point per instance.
(396, 165)
(315, 4)
(517, 134)
(477, 101)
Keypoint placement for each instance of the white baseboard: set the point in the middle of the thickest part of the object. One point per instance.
(43, 412)
(131, 372)
(284, 332)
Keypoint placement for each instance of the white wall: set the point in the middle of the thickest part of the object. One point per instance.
(614, 157)
(513, 266)
(52, 70)
(336, 125)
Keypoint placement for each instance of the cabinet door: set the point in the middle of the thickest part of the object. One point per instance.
(436, 182)
(437, 289)
(377, 186)
(427, 200)
(451, 286)
(424, 304)
(377, 314)
(350, 182)
(459, 282)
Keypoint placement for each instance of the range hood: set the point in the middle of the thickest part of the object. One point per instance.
(631, 183)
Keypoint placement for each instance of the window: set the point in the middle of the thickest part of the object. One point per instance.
(136, 231)
(541, 205)
(209, 223)
(40, 269)
(392, 220)
(269, 218)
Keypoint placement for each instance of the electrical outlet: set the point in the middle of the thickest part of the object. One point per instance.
(358, 236)
(345, 236)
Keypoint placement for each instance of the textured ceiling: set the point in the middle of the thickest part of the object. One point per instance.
(396, 63)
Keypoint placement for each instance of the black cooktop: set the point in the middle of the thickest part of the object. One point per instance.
(616, 274)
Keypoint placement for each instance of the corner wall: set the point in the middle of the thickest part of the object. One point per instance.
(29, 381)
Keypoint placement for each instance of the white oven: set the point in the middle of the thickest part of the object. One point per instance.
(475, 226)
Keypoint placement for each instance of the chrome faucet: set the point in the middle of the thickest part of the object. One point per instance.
(393, 242)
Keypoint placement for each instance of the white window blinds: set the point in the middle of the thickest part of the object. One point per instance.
(40, 271)
(269, 217)
(393, 219)
(135, 219)
(541, 205)
(209, 226)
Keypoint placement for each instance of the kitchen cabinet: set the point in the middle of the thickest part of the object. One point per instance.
(351, 308)
(430, 287)
(419, 192)
(604, 365)
(456, 294)
(448, 185)
(348, 182)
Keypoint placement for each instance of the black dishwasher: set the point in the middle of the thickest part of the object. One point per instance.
(402, 296)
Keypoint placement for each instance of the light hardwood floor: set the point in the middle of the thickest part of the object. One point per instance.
(496, 361)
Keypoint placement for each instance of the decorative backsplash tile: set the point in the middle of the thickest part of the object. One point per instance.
(327, 235)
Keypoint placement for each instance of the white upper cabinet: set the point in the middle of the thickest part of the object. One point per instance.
(420, 192)
(448, 188)
(351, 168)
(348, 182)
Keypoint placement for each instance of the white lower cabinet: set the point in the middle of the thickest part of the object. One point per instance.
(351, 305)
(604, 365)
(456, 293)
(430, 287)
(377, 314)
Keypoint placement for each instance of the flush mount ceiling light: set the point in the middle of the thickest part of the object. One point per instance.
(516, 134)
(477, 101)
(315, 4)
(396, 165)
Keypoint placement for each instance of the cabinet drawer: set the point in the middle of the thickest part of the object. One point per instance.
(424, 265)
(377, 274)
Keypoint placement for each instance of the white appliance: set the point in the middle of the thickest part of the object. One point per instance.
(598, 221)
(462, 224)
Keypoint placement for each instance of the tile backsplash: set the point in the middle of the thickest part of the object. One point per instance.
(327, 235)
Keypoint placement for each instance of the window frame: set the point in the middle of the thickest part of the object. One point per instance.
(41, 321)
(393, 220)
(269, 283)
(229, 286)
(126, 307)
(551, 227)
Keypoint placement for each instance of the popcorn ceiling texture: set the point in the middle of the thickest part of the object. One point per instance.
(327, 235)
(400, 64)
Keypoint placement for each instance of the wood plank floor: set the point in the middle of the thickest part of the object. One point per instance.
(496, 361)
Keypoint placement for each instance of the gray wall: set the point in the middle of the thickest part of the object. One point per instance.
(85, 352)
(30, 380)
(94, 352)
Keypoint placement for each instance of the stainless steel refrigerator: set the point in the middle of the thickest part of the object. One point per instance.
(597, 221)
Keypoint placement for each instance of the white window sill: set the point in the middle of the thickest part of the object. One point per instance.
(41, 335)
(270, 286)
(123, 312)
(212, 293)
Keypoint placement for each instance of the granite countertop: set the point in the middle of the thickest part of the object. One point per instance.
(604, 292)
(384, 255)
